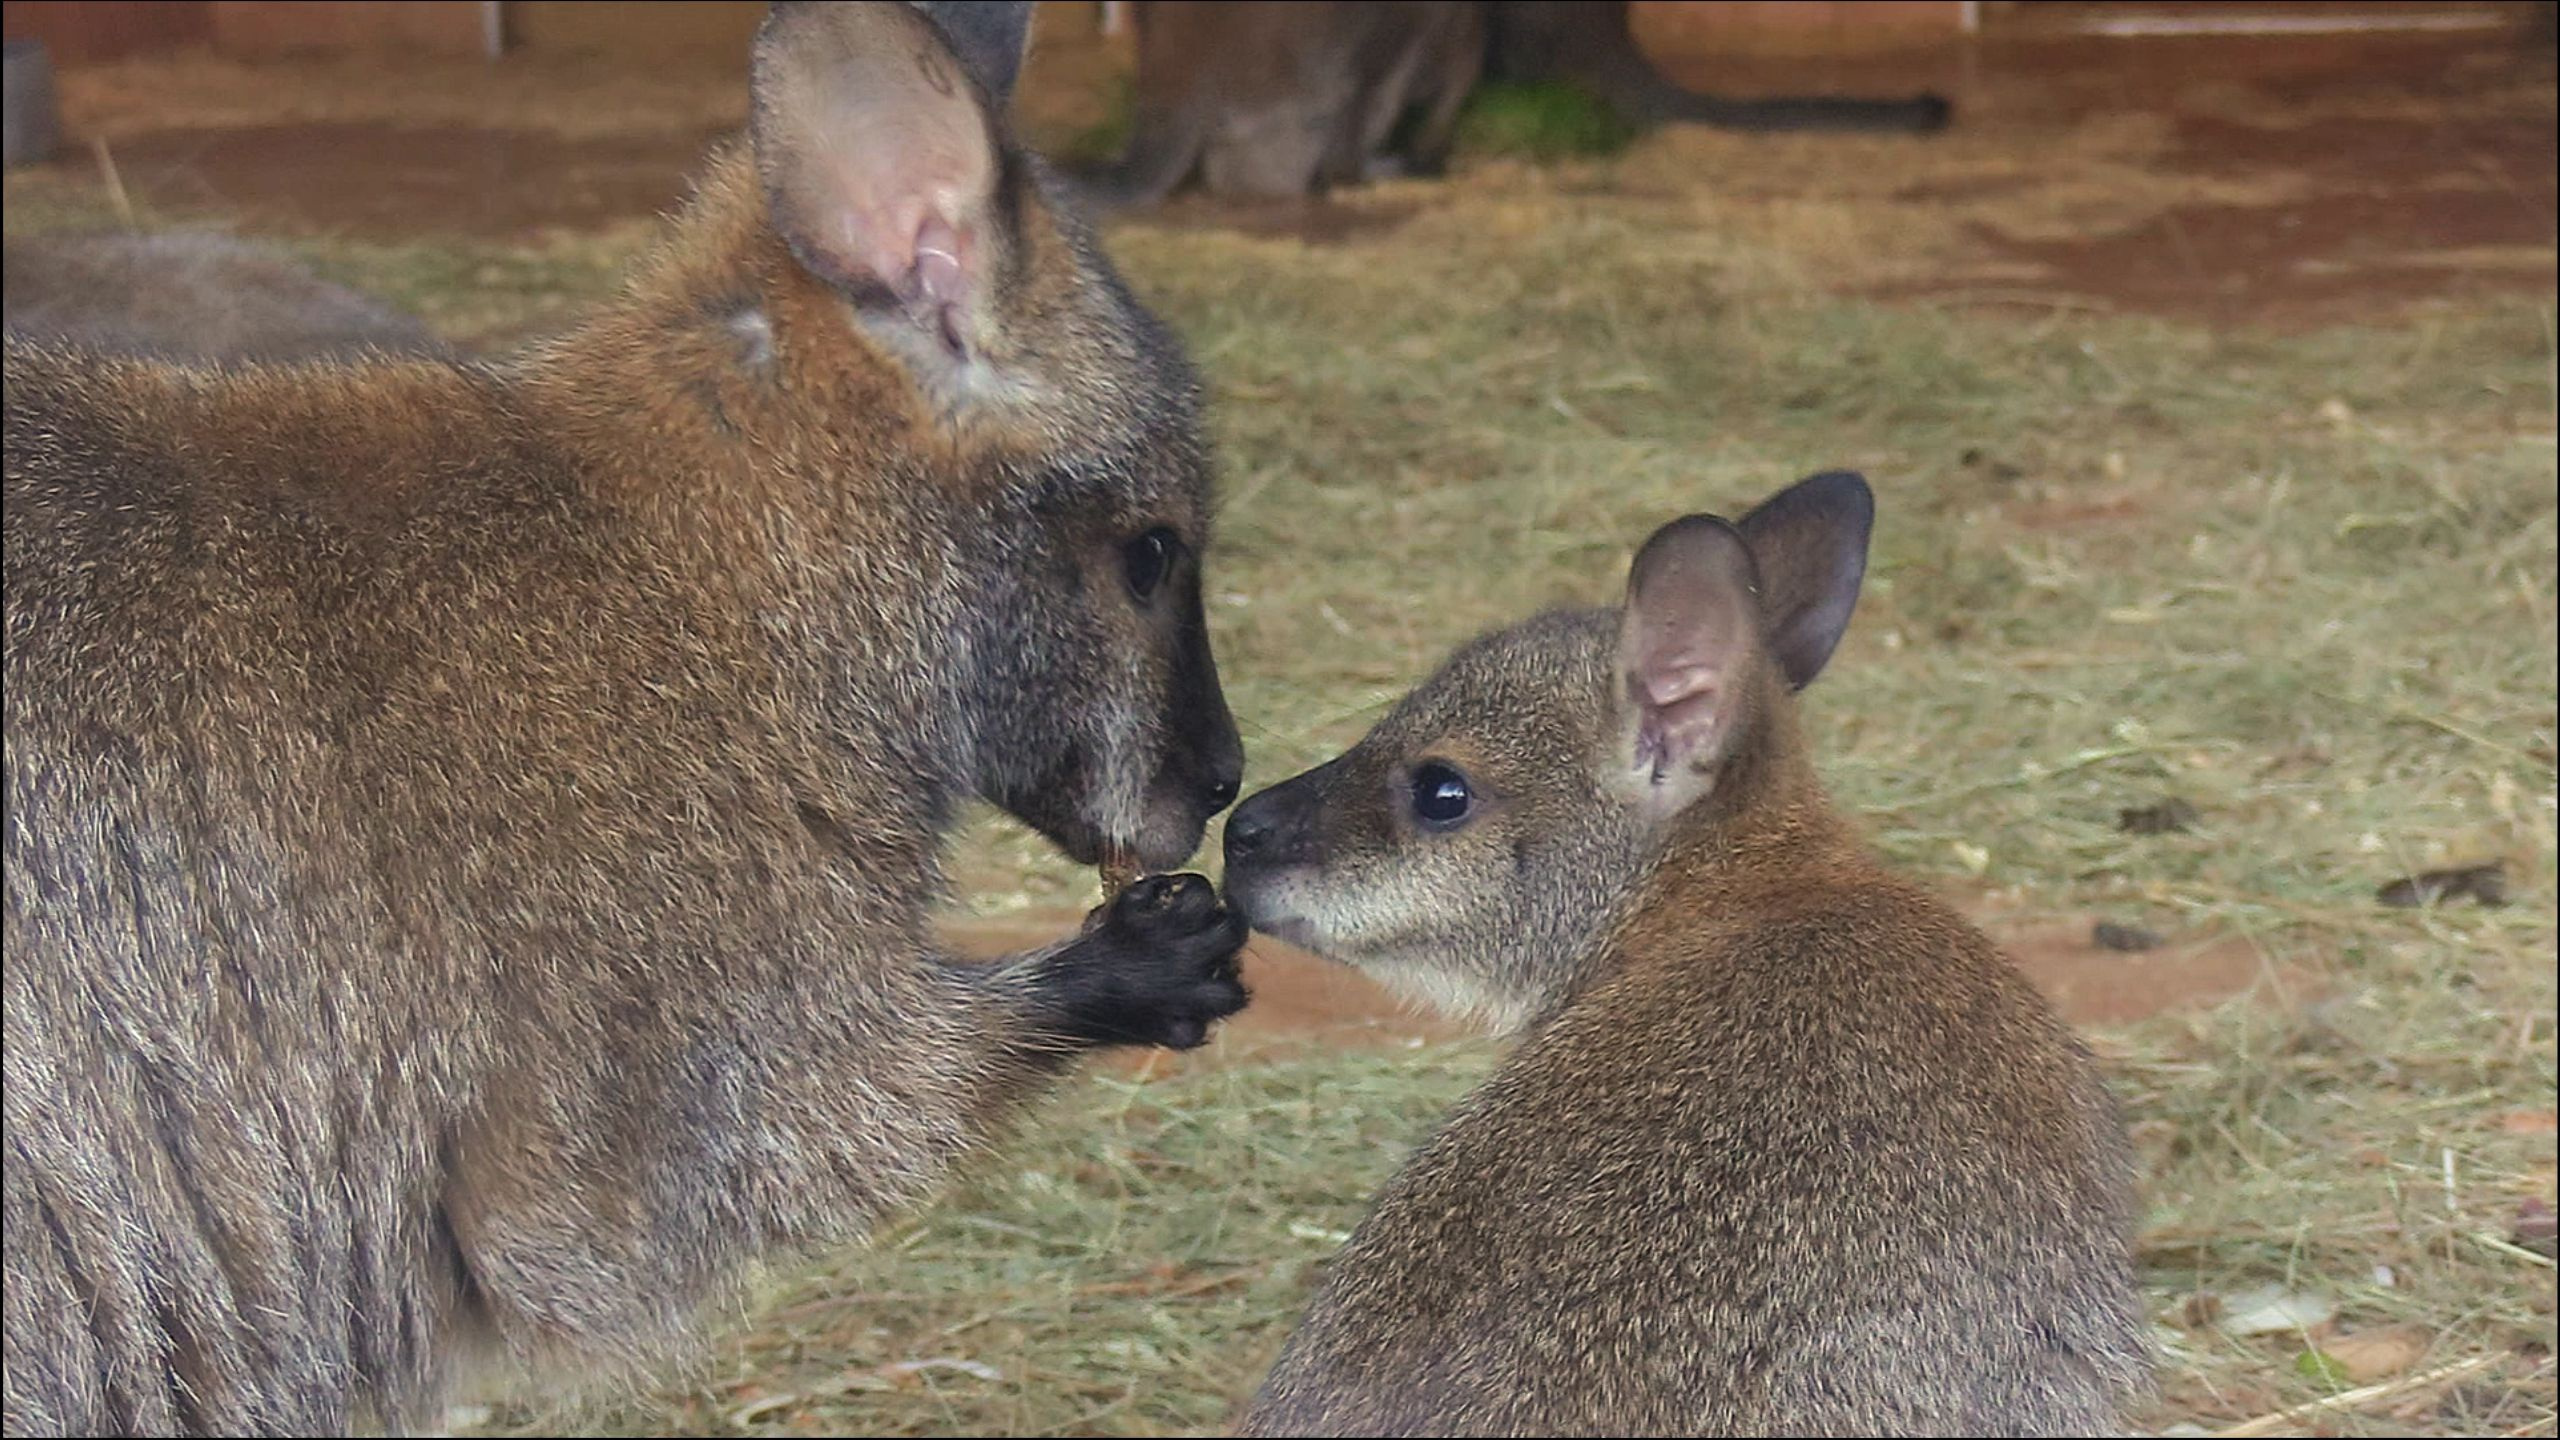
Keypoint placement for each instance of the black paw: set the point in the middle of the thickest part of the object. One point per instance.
(1155, 966)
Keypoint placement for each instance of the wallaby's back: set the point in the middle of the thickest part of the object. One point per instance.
(239, 921)
(1675, 1189)
(193, 296)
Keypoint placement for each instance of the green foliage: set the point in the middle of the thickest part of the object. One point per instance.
(1545, 120)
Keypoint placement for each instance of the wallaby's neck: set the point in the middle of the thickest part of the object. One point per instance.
(1768, 802)
(1768, 831)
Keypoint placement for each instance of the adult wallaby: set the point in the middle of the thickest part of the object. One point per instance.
(192, 296)
(471, 828)
(1784, 1145)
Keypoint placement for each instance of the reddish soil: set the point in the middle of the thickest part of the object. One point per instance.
(2396, 210)
(1302, 1003)
(2422, 166)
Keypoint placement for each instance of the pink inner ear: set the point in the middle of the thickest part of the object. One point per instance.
(942, 262)
(882, 168)
(868, 241)
(1679, 717)
(1685, 644)
(1665, 682)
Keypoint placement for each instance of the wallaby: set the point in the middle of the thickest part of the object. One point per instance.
(472, 827)
(192, 296)
(1783, 1144)
(1278, 101)
(1285, 100)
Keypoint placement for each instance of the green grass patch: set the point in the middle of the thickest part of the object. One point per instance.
(1542, 120)
(1103, 141)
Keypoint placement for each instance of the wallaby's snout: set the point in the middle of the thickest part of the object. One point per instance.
(1272, 829)
(1200, 767)
(1144, 753)
(1208, 754)
(1272, 838)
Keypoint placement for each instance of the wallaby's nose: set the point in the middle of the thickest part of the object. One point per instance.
(1221, 792)
(1250, 828)
(1282, 825)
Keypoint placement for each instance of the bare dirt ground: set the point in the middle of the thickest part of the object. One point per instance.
(1301, 1001)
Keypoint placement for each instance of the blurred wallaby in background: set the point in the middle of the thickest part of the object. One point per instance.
(192, 296)
(1277, 100)
(1783, 1145)
(473, 827)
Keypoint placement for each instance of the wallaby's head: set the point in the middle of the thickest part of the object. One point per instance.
(951, 323)
(1470, 847)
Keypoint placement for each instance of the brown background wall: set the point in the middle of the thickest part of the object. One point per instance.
(1794, 26)
(284, 27)
(656, 30)
(671, 30)
(79, 30)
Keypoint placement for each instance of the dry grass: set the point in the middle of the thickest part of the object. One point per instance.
(2304, 581)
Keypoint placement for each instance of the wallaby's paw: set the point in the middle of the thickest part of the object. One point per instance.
(1154, 966)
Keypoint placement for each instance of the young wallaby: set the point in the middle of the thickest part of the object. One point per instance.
(192, 296)
(471, 828)
(1783, 1146)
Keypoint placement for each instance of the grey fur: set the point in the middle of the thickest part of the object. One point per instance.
(192, 296)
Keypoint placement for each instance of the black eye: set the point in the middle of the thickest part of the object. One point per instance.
(1149, 557)
(1441, 798)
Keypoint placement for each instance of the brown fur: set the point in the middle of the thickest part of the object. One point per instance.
(472, 827)
(1784, 1145)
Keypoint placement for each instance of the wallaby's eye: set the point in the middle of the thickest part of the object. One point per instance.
(1441, 798)
(1149, 557)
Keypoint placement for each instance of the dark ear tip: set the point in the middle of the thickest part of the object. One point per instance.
(989, 36)
(1845, 491)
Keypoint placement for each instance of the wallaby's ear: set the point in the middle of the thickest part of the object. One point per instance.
(876, 138)
(1809, 542)
(1687, 642)
(988, 37)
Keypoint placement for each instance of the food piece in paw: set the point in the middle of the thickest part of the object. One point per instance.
(1120, 869)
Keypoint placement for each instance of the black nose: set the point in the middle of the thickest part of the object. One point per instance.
(1251, 828)
(1220, 792)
